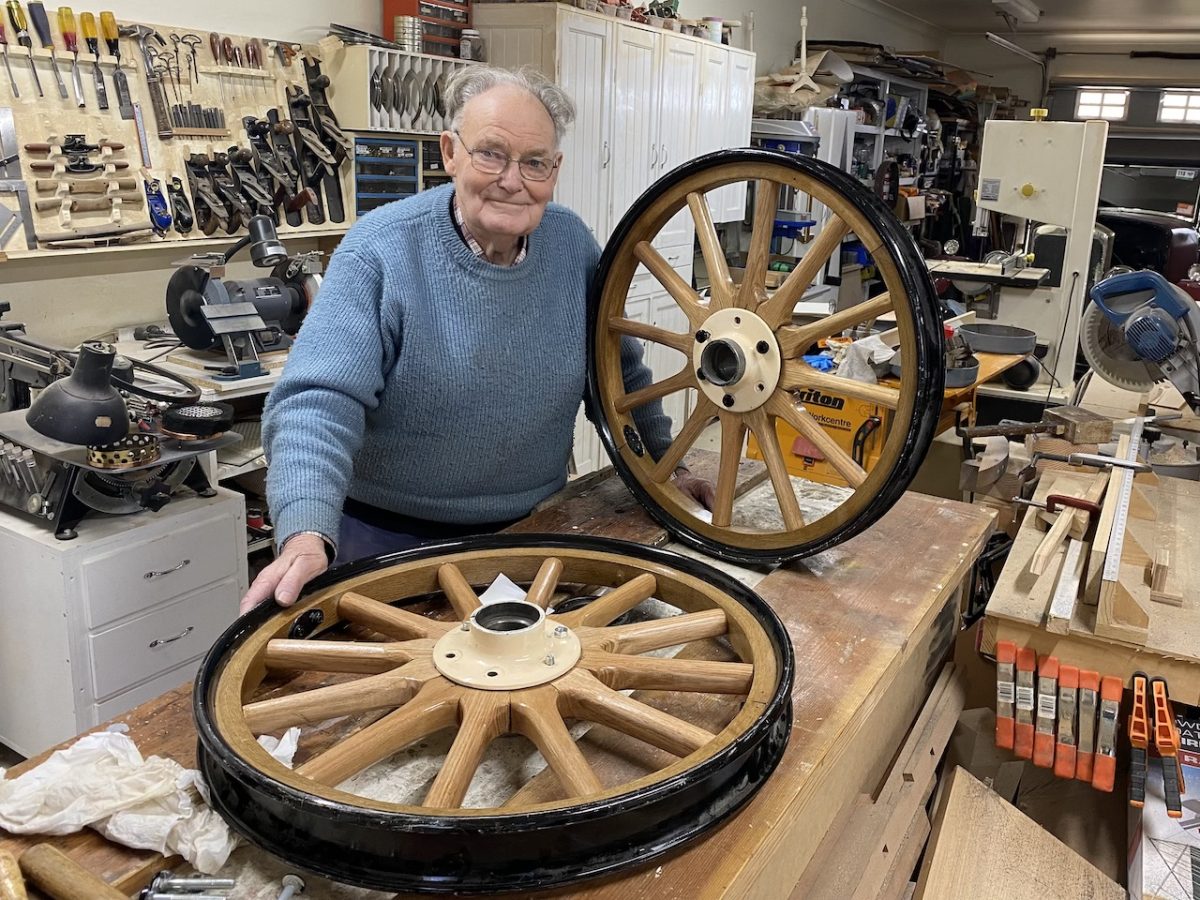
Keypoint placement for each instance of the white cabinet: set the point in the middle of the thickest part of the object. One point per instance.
(582, 68)
(647, 101)
(99, 624)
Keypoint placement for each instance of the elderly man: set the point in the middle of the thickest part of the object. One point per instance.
(433, 389)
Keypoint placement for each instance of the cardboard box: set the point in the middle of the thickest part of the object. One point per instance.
(1164, 853)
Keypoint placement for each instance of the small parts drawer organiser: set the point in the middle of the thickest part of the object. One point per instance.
(384, 170)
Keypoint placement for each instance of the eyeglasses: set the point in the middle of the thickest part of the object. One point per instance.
(493, 162)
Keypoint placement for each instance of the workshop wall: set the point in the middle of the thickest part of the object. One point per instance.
(76, 297)
(777, 25)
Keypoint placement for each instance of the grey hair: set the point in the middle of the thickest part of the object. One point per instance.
(471, 81)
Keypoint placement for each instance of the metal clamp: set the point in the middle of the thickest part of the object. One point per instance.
(160, 642)
(149, 575)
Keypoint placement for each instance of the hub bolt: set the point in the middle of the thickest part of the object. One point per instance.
(701, 336)
(762, 347)
(465, 626)
(728, 400)
(549, 660)
(560, 631)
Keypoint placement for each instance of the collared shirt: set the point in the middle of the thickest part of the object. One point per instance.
(470, 240)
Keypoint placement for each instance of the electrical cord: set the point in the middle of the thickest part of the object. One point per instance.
(1062, 337)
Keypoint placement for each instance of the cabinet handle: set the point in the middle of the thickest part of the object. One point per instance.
(664, 156)
(150, 575)
(159, 642)
(653, 156)
(607, 155)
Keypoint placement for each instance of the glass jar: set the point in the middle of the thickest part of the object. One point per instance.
(471, 45)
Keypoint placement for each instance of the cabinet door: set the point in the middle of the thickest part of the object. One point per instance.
(711, 130)
(738, 115)
(679, 83)
(635, 105)
(584, 70)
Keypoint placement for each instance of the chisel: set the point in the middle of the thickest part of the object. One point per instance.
(16, 16)
(112, 39)
(66, 26)
(12, 82)
(87, 24)
(41, 24)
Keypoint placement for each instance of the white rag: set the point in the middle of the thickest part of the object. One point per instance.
(103, 781)
(864, 358)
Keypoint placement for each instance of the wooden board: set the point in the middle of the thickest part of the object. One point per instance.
(873, 621)
(1172, 646)
(986, 849)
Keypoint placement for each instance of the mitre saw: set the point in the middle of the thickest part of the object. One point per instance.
(242, 318)
(1139, 330)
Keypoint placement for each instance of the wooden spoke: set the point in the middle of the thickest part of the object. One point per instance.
(704, 413)
(777, 310)
(714, 256)
(612, 605)
(392, 688)
(483, 717)
(433, 708)
(798, 374)
(684, 378)
(733, 436)
(458, 591)
(795, 339)
(680, 342)
(535, 714)
(768, 442)
(781, 406)
(585, 697)
(642, 637)
(679, 289)
(361, 657)
(388, 620)
(623, 672)
(766, 203)
(545, 583)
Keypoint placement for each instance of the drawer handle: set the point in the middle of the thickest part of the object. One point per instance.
(159, 642)
(184, 564)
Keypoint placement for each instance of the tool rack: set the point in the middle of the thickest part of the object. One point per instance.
(238, 90)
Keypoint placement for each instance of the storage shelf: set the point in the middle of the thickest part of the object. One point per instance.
(225, 471)
(260, 544)
(151, 246)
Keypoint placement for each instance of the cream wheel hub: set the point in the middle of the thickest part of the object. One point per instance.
(737, 360)
(506, 646)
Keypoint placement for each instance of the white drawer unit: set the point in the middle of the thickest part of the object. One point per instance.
(129, 607)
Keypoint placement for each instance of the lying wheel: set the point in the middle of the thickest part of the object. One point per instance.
(740, 357)
(702, 734)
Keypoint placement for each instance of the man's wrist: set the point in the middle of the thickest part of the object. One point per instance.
(330, 546)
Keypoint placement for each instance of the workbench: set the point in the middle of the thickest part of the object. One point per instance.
(991, 366)
(1172, 647)
(871, 621)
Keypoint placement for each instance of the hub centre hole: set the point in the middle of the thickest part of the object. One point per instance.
(508, 616)
(722, 362)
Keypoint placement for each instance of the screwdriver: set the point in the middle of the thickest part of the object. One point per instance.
(66, 26)
(12, 82)
(227, 47)
(16, 16)
(41, 24)
(214, 44)
(87, 24)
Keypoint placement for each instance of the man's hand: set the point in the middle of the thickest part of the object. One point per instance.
(300, 561)
(698, 489)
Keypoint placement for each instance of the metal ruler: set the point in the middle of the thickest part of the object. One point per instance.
(1116, 539)
(143, 144)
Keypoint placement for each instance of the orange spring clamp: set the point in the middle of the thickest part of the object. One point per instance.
(1026, 693)
(1089, 699)
(1006, 692)
(1104, 769)
(1166, 743)
(1047, 713)
(1068, 738)
(1139, 740)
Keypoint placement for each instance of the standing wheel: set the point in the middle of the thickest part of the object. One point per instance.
(741, 356)
(704, 732)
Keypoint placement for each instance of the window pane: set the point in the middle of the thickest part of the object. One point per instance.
(1091, 112)
(1193, 115)
(1115, 97)
(1091, 97)
(1176, 99)
(1171, 115)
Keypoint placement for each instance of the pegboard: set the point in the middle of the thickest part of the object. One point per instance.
(239, 91)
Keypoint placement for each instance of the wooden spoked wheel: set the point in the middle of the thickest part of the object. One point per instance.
(740, 356)
(400, 649)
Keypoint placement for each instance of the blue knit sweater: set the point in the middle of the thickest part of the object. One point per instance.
(432, 383)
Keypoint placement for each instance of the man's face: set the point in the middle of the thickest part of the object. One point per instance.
(508, 120)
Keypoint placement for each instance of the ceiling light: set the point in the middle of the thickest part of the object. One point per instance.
(1021, 10)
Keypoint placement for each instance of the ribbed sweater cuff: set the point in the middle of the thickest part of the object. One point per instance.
(306, 515)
